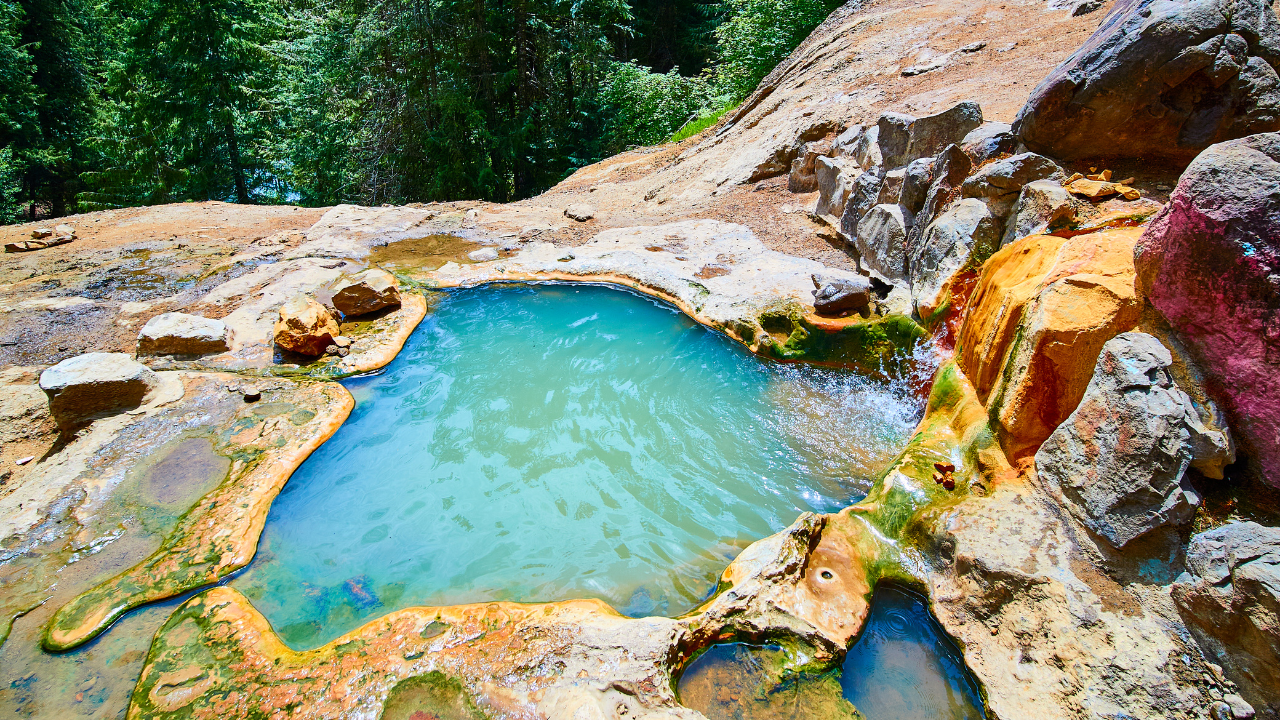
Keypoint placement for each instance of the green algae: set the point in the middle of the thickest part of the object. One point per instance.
(433, 695)
(881, 345)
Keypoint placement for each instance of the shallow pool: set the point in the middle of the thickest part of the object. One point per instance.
(549, 442)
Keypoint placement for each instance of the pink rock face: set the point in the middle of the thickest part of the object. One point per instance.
(1210, 263)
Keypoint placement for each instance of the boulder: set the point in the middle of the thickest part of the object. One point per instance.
(963, 236)
(1160, 80)
(64, 229)
(950, 168)
(1005, 178)
(802, 178)
(835, 181)
(1042, 204)
(862, 197)
(370, 291)
(904, 138)
(483, 254)
(305, 326)
(41, 233)
(915, 184)
(836, 296)
(1118, 461)
(581, 212)
(95, 384)
(989, 141)
(882, 240)
(1210, 263)
(1042, 310)
(1230, 595)
(178, 333)
(891, 186)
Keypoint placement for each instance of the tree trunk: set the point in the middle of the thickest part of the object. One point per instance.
(237, 170)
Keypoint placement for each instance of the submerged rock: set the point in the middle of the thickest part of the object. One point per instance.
(1210, 263)
(86, 386)
(305, 326)
(369, 291)
(1160, 80)
(1230, 594)
(182, 334)
(1119, 459)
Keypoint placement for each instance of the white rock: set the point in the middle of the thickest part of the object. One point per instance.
(93, 384)
(484, 254)
(178, 333)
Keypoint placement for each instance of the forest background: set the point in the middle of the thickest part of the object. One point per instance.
(114, 103)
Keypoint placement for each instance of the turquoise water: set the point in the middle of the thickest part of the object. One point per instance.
(902, 667)
(548, 442)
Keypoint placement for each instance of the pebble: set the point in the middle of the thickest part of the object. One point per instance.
(26, 460)
(252, 396)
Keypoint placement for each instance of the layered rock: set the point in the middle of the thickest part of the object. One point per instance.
(1230, 595)
(305, 327)
(1210, 263)
(87, 386)
(1160, 80)
(182, 334)
(882, 240)
(1119, 459)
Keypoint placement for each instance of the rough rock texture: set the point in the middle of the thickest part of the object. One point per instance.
(802, 178)
(950, 168)
(835, 181)
(1006, 177)
(837, 296)
(1210, 263)
(862, 197)
(903, 138)
(882, 240)
(966, 233)
(580, 212)
(915, 184)
(366, 292)
(1040, 314)
(1119, 459)
(989, 141)
(182, 334)
(1161, 79)
(93, 384)
(1231, 596)
(305, 326)
(1042, 204)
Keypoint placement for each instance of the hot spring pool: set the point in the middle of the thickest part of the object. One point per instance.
(548, 442)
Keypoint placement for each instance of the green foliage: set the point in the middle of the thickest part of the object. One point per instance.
(646, 107)
(136, 102)
(756, 35)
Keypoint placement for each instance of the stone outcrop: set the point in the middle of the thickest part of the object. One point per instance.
(1160, 80)
(1003, 179)
(990, 141)
(305, 327)
(835, 181)
(1230, 595)
(903, 138)
(962, 236)
(1210, 263)
(367, 292)
(1041, 205)
(835, 296)
(1118, 461)
(882, 240)
(87, 386)
(949, 169)
(802, 178)
(1040, 314)
(182, 334)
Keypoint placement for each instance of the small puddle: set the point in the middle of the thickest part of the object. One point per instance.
(425, 253)
(902, 667)
(538, 443)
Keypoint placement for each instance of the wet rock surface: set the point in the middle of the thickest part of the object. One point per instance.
(366, 292)
(1119, 459)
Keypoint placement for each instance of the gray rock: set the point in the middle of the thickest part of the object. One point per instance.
(867, 152)
(802, 178)
(483, 255)
(915, 184)
(95, 384)
(950, 168)
(581, 212)
(891, 186)
(990, 140)
(1160, 80)
(862, 197)
(965, 233)
(1230, 594)
(882, 240)
(178, 333)
(1041, 205)
(846, 143)
(1119, 459)
(904, 138)
(1004, 178)
(895, 138)
(835, 181)
(836, 296)
(368, 291)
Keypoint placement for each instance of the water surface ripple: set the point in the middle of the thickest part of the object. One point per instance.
(547, 442)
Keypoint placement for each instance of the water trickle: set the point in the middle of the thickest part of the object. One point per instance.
(539, 443)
